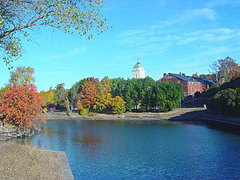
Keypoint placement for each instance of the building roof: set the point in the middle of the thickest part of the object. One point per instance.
(138, 65)
(205, 81)
(183, 77)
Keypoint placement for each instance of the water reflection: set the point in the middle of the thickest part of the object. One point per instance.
(87, 139)
(143, 149)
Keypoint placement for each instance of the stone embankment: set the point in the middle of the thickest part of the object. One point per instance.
(8, 132)
(26, 162)
(222, 120)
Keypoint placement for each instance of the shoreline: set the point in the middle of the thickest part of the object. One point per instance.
(179, 114)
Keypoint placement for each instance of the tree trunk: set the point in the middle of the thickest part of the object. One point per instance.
(68, 110)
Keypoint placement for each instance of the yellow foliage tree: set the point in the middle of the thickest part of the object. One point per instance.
(104, 97)
(118, 105)
(48, 97)
(44, 96)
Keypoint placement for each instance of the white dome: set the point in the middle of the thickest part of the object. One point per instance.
(138, 71)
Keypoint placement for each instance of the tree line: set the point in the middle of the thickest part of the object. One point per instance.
(22, 105)
(115, 95)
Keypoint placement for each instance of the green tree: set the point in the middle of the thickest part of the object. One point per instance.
(62, 99)
(18, 17)
(226, 101)
(118, 86)
(168, 95)
(129, 94)
(22, 75)
(74, 93)
(147, 94)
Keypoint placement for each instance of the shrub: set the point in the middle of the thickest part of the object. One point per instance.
(212, 91)
(197, 94)
(84, 111)
(226, 101)
(45, 110)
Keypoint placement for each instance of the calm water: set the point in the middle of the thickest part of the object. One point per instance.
(138, 150)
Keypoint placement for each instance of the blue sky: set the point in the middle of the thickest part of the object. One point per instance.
(166, 36)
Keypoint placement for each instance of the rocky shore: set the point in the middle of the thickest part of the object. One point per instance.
(9, 132)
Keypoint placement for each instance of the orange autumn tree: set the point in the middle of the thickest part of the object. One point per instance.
(21, 106)
(88, 95)
(96, 96)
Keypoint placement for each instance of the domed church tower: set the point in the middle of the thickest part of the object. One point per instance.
(138, 71)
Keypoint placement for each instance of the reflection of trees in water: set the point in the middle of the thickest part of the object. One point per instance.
(55, 136)
(127, 122)
(89, 145)
(103, 122)
(88, 139)
(50, 131)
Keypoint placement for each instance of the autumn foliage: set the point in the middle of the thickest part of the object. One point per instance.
(21, 106)
(48, 97)
(226, 70)
(118, 105)
(97, 96)
(89, 92)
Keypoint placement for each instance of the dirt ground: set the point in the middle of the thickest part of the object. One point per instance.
(126, 116)
(24, 162)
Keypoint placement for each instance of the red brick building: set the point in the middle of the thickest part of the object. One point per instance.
(190, 84)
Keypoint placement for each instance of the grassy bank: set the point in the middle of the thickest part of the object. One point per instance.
(25, 162)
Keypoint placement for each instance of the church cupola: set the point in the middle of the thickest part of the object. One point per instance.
(138, 71)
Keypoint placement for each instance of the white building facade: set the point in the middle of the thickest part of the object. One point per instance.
(138, 71)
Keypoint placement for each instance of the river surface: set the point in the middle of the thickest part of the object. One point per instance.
(143, 150)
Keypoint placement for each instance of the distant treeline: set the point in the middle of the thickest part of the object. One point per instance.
(115, 95)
